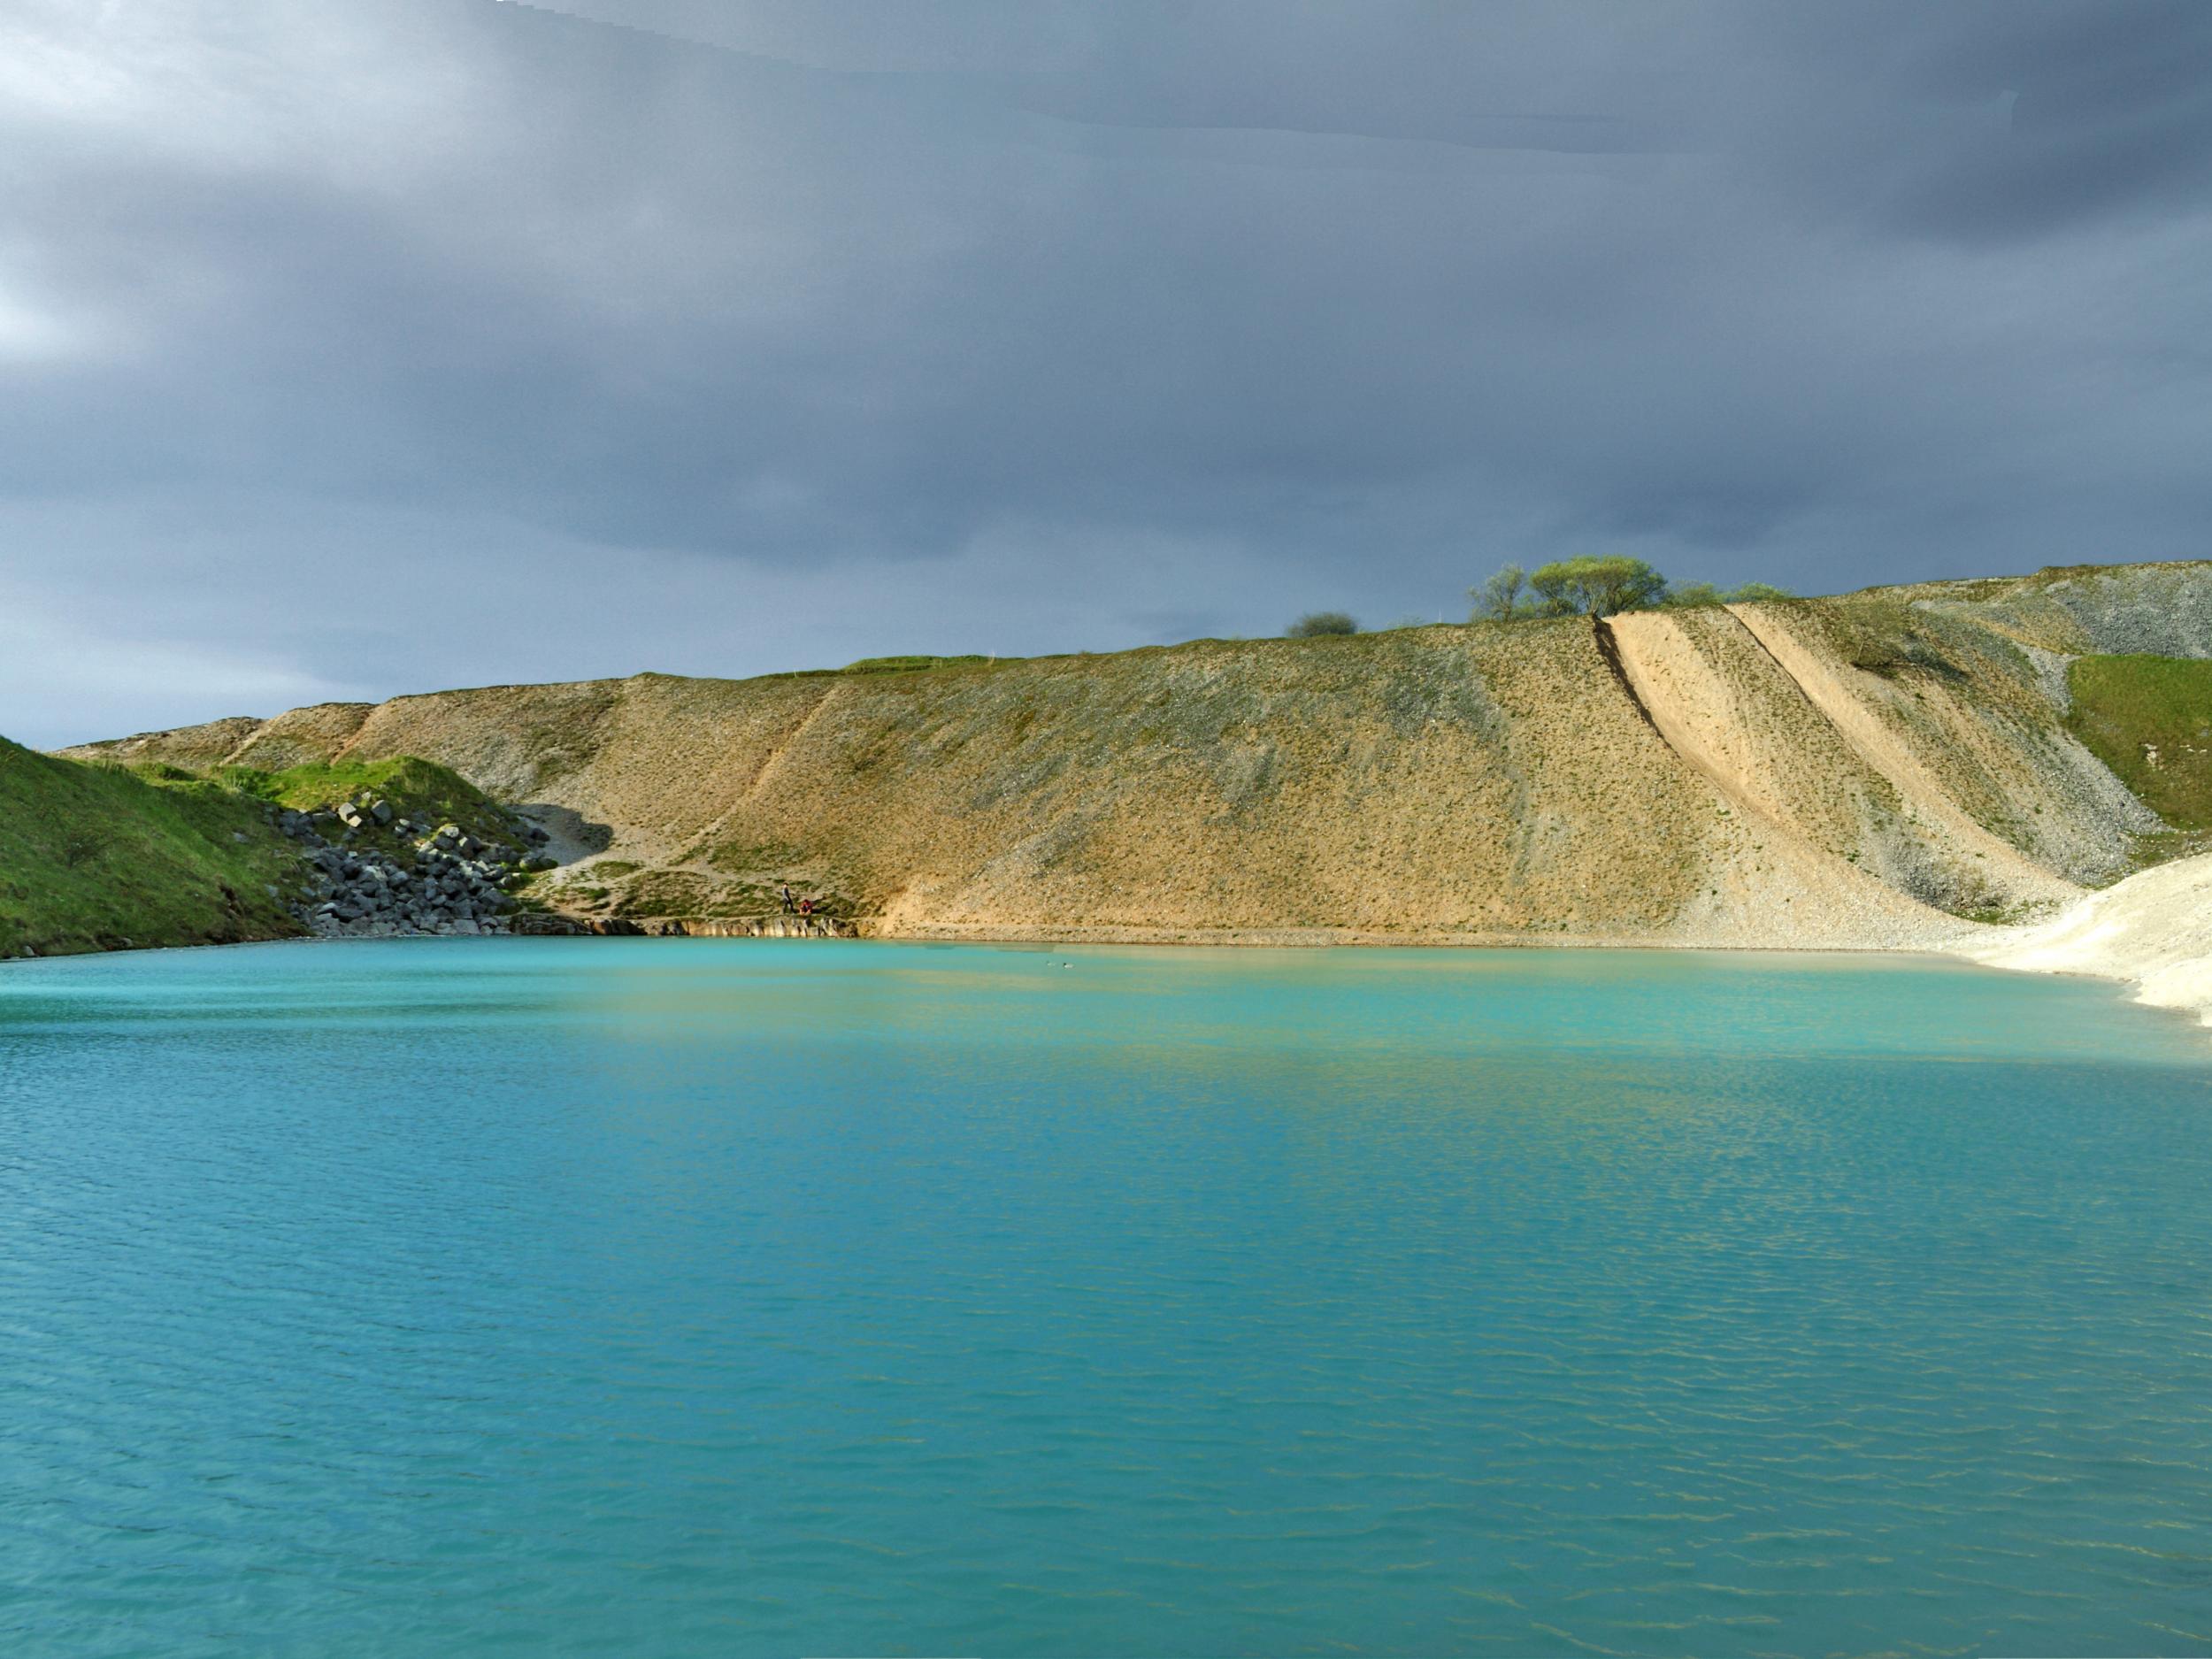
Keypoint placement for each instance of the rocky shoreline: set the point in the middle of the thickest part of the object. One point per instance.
(548, 922)
(379, 874)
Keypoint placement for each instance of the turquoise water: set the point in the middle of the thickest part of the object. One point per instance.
(705, 1297)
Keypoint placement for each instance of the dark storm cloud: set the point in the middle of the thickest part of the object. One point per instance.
(2107, 113)
(937, 322)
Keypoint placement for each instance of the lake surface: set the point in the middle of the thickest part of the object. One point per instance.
(707, 1297)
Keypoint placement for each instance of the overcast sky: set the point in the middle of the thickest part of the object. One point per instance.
(350, 348)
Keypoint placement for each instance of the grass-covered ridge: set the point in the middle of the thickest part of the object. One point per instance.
(2149, 719)
(418, 789)
(97, 858)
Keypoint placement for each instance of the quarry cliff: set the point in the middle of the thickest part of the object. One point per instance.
(1886, 768)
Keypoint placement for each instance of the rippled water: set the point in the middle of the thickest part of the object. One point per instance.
(731, 1297)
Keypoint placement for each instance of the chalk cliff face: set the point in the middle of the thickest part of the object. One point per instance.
(1867, 769)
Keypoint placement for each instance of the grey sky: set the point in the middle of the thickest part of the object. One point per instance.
(350, 349)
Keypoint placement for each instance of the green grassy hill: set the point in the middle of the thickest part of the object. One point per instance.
(2150, 719)
(96, 857)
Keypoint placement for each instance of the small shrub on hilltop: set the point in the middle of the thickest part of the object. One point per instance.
(1690, 596)
(1693, 596)
(1597, 586)
(1319, 623)
(1499, 598)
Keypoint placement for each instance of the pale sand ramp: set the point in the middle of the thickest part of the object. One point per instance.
(2153, 930)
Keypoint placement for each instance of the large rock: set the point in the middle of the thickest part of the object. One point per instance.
(544, 923)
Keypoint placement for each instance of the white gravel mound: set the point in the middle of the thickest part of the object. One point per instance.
(2153, 930)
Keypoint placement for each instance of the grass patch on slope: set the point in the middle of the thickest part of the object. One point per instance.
(2149, 719)
(752, 859)
(1888, 636)
(417, 788)
(93, 856)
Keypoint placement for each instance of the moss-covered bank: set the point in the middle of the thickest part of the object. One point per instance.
(96, 857)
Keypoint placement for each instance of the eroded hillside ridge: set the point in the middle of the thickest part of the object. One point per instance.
(1877, 769)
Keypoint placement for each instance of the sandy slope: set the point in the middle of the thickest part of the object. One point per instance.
(2153, 930)
(1869, 772)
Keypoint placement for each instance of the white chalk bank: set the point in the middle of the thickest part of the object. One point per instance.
(2153, 930)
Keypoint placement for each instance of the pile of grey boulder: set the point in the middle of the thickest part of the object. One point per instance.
(377, 873)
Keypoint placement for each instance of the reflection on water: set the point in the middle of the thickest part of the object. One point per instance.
(728, 1297)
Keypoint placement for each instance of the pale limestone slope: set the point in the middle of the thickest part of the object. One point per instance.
(1864, 770)
(1868, 833)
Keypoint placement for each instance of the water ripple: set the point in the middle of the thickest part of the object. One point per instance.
(715, 1297)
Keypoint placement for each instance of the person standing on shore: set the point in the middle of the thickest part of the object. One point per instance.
(789, 902)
